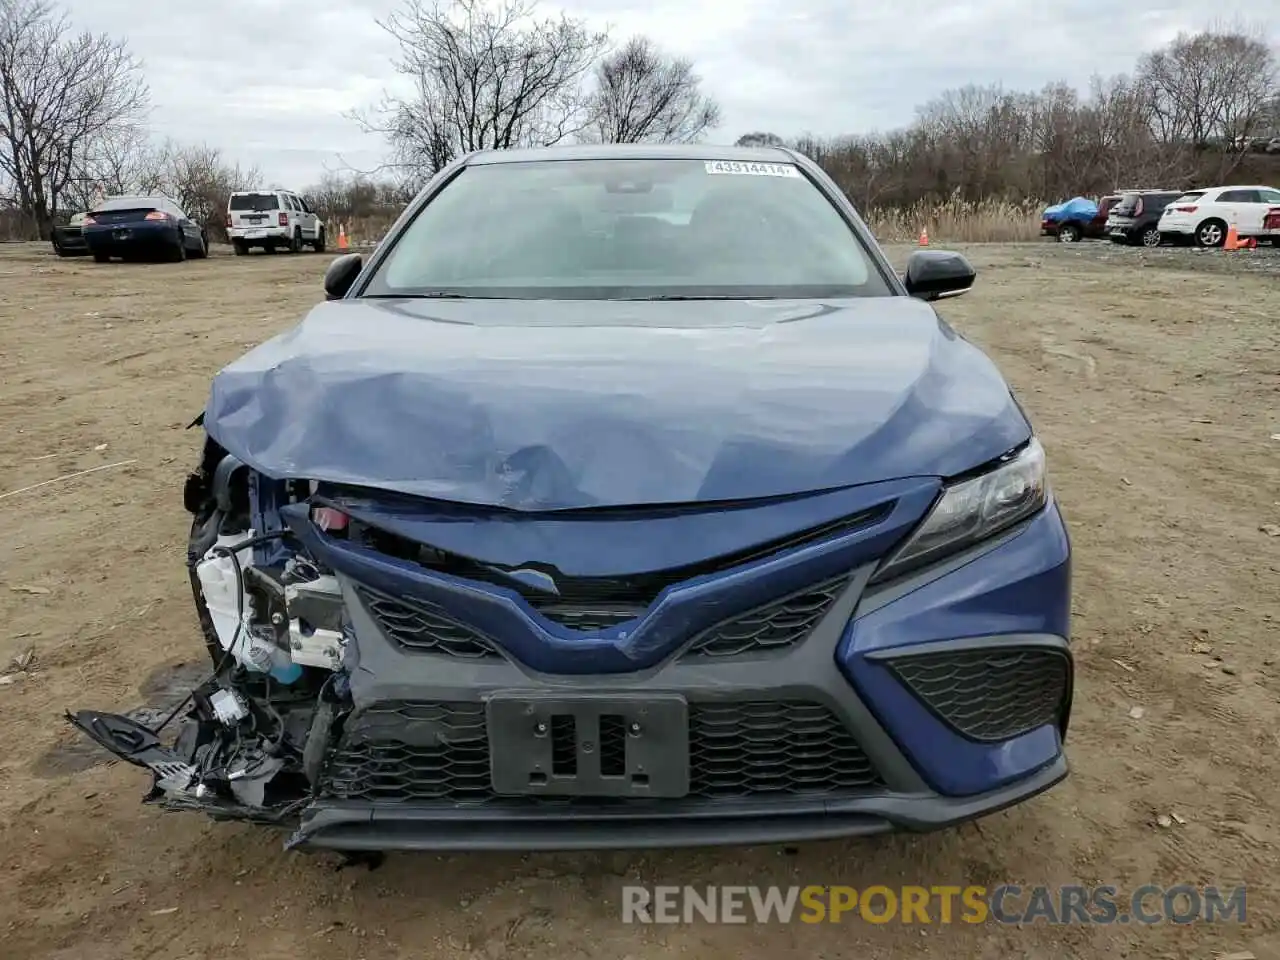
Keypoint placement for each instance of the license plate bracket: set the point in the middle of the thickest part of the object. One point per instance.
(588, 745)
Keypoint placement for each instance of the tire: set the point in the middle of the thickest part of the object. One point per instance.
(241, 247)
(178, 253)
(1150, 237)
(318, 246)
(203, 250)
(1069, 233)
(295, 242)
(60, 252)
(1211, 233)
(101, 257)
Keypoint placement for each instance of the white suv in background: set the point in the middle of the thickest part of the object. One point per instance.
(272, 219)
(1203, 216)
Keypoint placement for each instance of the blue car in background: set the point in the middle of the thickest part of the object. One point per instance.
(625, 496)
(1077, 219)
(138, 227)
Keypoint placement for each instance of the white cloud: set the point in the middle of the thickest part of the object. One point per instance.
(269, 80)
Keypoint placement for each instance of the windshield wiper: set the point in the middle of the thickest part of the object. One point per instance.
(685, 296)
(428, 295)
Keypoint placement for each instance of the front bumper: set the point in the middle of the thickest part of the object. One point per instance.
(379, 827)
(70, 242)
(827, 737)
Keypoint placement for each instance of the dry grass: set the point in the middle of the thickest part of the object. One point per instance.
(951, 221)
(958, 221)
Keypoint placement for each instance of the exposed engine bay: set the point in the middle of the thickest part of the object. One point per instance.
(254, 734)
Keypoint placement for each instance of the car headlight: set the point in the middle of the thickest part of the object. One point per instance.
(972, 510)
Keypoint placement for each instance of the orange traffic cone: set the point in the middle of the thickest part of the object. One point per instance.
(1233, 239)
(343, 242)
(924, 236)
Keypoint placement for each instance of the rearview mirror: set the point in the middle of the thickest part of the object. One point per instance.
(935, 274)
(341, 274)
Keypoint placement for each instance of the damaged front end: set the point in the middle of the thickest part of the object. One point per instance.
(253, 736)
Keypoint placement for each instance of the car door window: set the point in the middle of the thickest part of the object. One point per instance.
(1238, 196)
(1271, 197)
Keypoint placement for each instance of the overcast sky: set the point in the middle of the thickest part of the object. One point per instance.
(268, 80)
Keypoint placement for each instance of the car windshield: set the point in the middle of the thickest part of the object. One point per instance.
(629, 229)
(254, 201)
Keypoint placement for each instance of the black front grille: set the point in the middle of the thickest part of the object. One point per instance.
(775, 626)
(990, 694)
(424, 628)
(587, 616)
(439, 752)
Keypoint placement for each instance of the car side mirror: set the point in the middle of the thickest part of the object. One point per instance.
(341, 274)
(935, 274)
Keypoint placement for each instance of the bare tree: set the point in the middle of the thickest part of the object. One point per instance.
(484, 75)
(122, 161)
(1211, 91)
(645, 96)
(200, 180)
(60, 94)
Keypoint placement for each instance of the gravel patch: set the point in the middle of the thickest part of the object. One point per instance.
(1263, 260)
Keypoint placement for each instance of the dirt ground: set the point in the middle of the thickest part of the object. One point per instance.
(1154, 378)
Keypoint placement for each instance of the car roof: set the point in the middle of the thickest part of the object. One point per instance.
(633, 151)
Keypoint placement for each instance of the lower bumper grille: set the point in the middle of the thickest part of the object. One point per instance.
(423, 629)
(990, 694)
(439, 752)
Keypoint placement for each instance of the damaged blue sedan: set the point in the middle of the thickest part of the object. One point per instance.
(624, 496)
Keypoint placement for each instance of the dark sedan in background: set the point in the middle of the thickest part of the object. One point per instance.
(1136, 217)
(68, 238)
(136, 227)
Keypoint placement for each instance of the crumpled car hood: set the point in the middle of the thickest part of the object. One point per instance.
(545, 405)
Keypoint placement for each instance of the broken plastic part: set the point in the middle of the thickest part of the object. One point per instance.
(134, 743)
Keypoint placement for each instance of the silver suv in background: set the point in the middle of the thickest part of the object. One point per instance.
(272, 219)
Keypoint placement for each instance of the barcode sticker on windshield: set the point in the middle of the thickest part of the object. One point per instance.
(752, 169)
